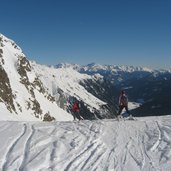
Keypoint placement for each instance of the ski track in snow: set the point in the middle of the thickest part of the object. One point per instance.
(102, 145)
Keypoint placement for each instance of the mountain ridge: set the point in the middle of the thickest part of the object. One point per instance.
(116, 68)
(39, 92)
(31, 90)
(24, 88)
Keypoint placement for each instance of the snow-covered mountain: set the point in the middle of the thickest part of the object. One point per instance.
(149, 87)
(29, 91)
(146, 86)
(22, 94)
(66, 84)
(115, 73)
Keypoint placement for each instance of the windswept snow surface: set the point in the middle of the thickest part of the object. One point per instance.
(101, 145)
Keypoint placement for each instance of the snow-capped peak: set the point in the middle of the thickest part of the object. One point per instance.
(114, 68)
(21, 91)
(37, 92)
(67, 65)
(6, 41)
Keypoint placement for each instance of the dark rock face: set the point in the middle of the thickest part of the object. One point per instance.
(1, 53)
(6, 95)
(48, 118)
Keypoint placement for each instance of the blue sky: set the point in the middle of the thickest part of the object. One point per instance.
(119, 32)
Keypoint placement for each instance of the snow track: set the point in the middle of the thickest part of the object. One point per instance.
(102, 145)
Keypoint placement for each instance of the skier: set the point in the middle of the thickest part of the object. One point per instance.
(123, 103)
(76, 111)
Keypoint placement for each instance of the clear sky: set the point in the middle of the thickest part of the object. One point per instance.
(119, 32)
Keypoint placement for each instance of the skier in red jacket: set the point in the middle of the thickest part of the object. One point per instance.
(76, 110)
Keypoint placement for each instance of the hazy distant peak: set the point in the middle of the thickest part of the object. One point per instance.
(67, 65)
(95, 67)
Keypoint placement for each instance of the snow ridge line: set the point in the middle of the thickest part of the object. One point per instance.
(26, 150)
(157, 143)
(87, 152)
(11, 148)
(150, 160)
(52, 155)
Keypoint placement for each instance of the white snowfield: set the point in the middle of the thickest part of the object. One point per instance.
(101, 145)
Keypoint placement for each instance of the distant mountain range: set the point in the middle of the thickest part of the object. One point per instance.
(29, 91)
(148, 87)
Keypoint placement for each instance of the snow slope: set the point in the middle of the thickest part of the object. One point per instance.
(66, 79)
(28, 102)
(36, 92)
(101, 145)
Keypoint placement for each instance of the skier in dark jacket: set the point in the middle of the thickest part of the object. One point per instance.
(123, 103)
(76, 110)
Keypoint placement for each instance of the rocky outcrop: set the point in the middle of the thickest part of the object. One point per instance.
(6, 95)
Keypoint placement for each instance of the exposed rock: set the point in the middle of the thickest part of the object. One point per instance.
(36, 108)
(48, 118)
(1, 57)
(6, 94)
